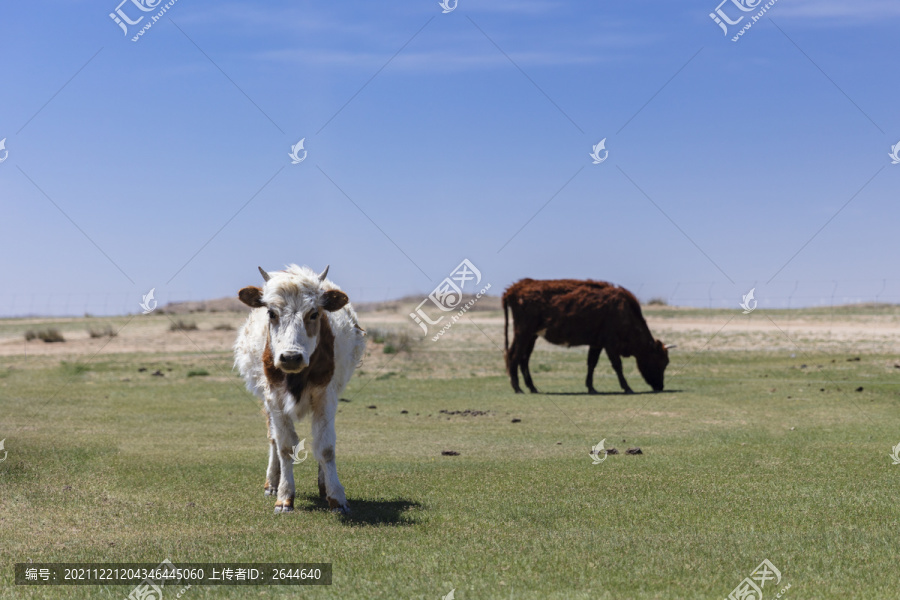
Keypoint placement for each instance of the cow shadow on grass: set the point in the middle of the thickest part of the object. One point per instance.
(619, 393)
(367, 512)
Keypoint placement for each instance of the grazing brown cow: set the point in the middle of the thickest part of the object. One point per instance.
(572, 312)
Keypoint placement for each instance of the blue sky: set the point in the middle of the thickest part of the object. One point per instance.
(435, 137)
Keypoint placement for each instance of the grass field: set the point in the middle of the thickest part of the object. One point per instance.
(760, 448)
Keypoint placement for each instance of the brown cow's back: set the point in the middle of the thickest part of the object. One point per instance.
(574, 312)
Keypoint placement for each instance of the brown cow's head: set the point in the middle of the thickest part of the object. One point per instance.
(294, 299)
(652, 364)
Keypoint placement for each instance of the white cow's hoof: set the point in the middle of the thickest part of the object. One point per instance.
(284, 506)
(336, 507)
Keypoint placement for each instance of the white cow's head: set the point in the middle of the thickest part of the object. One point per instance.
(295, 300)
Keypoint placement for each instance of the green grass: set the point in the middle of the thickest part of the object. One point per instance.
(744, 458)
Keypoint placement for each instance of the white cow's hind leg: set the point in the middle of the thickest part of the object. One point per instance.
(285, 440)
(323, 450)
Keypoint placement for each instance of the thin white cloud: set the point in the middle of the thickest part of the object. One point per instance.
(425, 61)
(304, 35)
(839, 12)
(527, 7)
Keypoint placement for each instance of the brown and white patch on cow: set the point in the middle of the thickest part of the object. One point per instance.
(321, 364)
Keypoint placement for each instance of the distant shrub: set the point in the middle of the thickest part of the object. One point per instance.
(96, 332)
(181, 325)
(48, 335)
(657, 301)
(224, 327)
(198, 373)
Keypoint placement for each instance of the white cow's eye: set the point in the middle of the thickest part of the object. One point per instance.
(272, 314)
(314, 316)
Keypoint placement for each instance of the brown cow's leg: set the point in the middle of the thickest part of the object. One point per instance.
(527, 349)
(616, 362)
(593, 357)
(512, 363)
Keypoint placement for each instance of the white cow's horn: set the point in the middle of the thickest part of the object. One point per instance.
(324, 273)
(263, 273)
(670, 346)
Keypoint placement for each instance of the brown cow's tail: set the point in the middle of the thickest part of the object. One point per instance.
(505, 332)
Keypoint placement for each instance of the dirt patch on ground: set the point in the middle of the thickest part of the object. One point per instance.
(479, 333)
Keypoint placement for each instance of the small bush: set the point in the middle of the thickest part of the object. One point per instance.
(657, 301)
(97, 332)
(224, 327)
(51, 335)
(198, 373)
(48, 335)
(181, 325)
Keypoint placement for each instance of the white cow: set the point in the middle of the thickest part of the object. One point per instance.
(297, 352)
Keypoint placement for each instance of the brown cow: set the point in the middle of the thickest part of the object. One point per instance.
(572, 312)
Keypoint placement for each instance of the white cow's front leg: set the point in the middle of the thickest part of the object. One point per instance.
(273, 471)
(323, 450)
(285, 440)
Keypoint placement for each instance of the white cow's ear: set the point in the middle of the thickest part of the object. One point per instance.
(251, 296)
(333, 300)
(324, 273)
(263, 273)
